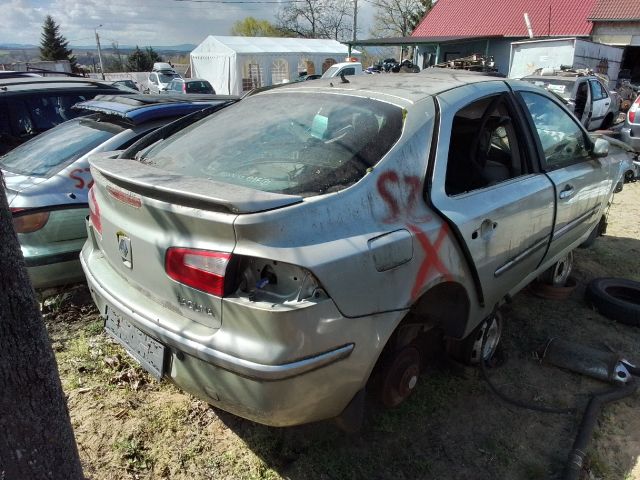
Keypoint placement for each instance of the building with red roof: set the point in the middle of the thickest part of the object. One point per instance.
(458, 28)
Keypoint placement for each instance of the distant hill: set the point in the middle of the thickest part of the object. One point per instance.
(185, 47)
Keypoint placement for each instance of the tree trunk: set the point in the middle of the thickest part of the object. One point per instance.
(36, 438)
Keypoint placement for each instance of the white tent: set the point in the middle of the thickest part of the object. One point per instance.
(237, 64)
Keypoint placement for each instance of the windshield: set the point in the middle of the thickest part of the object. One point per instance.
(562, 88)
(50, 152)
(330, 72)
(292, 143)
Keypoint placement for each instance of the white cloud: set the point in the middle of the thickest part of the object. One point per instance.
(131, 22)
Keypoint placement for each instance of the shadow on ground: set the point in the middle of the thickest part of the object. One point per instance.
(455, 428)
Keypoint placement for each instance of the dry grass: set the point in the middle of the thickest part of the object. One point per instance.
(129, 426)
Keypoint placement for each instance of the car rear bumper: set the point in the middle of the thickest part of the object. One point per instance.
(631, 136)
(278, 393)
(54, 270)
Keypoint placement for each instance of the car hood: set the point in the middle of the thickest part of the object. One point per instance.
(17, 183)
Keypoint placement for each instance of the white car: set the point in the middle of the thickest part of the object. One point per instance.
(158, 81)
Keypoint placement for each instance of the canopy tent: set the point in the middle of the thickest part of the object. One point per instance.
(237, 64)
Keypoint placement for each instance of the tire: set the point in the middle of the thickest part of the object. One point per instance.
(468, 350)
(629, 176)
(558, 274)
(616, 298)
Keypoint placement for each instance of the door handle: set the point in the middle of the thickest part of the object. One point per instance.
(566, 192)
(486, 229)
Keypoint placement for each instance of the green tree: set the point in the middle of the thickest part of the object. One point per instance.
(253, 27)
(53, 45)
(142, 60)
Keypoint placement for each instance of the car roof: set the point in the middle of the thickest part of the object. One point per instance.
(399, 88)
(49, 83)
(137, 109)
(542, 78)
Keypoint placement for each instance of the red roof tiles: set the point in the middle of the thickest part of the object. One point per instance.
(616, 10)
(481, 18)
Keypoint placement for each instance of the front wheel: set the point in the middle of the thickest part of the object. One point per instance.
(558, 274)
(482, 343)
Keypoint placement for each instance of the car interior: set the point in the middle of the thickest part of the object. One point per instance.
(484, 148)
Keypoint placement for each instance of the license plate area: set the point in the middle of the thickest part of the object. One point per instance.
(147, 351)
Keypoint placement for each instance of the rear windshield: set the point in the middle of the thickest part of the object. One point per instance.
(291, 143)
(47, 154)
(167, 77)
(199, 87)
(563, 88)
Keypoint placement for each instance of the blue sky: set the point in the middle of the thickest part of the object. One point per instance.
(133, 22)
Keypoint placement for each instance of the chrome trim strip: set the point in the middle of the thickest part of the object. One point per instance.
(575, 222)
(521, 256)
(243, 367)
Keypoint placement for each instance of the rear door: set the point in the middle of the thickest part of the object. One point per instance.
(580, 180)
(486, 184)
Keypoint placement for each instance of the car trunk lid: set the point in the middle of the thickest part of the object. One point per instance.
(143, 212)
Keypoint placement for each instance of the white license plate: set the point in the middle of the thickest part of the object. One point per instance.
(147, 351)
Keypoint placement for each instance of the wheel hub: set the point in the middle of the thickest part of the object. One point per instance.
(400, 376)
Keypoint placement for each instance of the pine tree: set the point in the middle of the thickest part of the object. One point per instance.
(53, 45)
(142, 61)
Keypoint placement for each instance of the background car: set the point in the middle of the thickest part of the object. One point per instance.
(586, 95)
(190, 85)
(630, 131)
(30, 105)
(158, 81)
(47, 178)
(127, 83)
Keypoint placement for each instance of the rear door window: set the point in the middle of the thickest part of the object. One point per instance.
(292, 143)
(598, 92)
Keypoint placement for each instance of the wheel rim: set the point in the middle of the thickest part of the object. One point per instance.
(400, 377)
(562, 270)
(493, 328)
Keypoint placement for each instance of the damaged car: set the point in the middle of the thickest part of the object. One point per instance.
(47, 178)
(285, 255)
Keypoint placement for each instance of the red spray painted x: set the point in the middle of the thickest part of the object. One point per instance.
(431, 259)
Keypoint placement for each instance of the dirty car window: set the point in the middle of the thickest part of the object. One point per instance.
(50, 152)
(294, 143)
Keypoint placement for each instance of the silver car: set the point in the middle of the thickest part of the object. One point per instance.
(284, 254)
(630, 131)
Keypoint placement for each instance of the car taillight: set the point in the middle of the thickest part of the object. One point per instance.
(94, 211)
(201, 269)
(633, 110)
(29, 223)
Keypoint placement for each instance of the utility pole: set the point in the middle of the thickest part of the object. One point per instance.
(355, 19)
(99, 50)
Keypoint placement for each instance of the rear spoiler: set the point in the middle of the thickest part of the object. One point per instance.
(193, 192)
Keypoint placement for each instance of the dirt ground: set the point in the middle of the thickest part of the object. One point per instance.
(129, 426)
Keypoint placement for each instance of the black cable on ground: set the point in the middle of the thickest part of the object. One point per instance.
(521, 403)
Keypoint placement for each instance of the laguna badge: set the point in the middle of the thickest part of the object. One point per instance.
(124, 247)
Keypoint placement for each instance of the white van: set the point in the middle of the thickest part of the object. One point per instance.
(345, 68)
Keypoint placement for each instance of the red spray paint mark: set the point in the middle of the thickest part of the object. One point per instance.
(431, 259)
(76, 175)
(400, 207)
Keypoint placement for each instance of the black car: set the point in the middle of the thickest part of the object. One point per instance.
(32, 105)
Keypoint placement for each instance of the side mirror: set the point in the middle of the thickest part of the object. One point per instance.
(600, 148)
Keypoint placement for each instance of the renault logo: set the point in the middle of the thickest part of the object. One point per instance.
(124, 247)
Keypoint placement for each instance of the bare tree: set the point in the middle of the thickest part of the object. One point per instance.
(316, 19)
(36, 438)
(398, 18)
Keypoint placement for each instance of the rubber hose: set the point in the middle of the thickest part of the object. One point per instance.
(578, 452)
